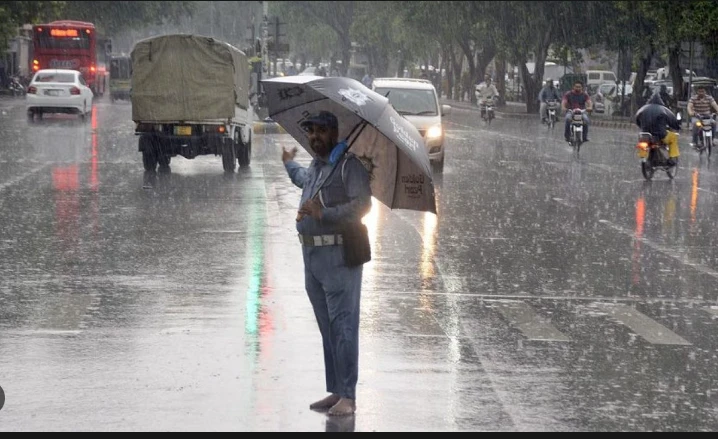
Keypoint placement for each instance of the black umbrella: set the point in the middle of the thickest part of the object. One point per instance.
(390, 147)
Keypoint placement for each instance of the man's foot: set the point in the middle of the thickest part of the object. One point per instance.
(326, 403)
(585, 140)
(567, 139)
(344, 407)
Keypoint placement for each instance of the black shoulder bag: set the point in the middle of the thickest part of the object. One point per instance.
(355, 236)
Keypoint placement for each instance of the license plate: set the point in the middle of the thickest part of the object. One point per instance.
(183, 131)
(52, 92)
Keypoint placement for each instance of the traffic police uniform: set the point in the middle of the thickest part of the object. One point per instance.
(334, 289)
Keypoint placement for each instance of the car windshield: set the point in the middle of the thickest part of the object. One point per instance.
(412, 102)
(55, 77)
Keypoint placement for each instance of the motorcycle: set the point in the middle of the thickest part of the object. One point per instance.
(552, 109)
(487, 110)
(705, 135)
(576, 134)
(16, 87)
(654, 155)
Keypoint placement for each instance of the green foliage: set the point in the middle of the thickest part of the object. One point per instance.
(14, 14)
(336, 15)
(113, 17)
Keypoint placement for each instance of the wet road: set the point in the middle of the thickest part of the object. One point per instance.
(549, 294)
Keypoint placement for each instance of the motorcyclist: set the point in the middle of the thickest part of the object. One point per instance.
(574, 99)
(548, 92)
(484, 91)
(700, 104)
(656, 118)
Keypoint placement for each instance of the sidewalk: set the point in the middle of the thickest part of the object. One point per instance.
(517, 110)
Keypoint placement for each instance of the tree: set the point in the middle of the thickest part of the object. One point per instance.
(526, 29)
(14, 14)
(337, 15)
(633, 30)
(113, 17)
(678, 22)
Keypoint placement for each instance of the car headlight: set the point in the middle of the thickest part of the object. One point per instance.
(434, 132)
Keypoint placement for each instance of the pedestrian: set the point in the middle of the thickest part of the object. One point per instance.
(367, 80)
(343, 196)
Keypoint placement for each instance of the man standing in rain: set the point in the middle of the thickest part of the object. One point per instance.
(343, 195)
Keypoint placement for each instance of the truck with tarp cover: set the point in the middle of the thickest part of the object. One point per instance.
(190, 97)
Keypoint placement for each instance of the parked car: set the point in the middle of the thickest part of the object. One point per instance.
(612, 94)
(417, 101)
(58, 91)
(600, 77)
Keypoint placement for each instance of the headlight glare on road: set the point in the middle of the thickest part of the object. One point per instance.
(434, 132)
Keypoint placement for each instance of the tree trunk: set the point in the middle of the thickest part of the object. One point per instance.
(531, 90)
(457, 67)
(533, 83)
(500, 62)
(643, 66)
(346, 43)
(469, 55)
(482, 62)
(674, 67)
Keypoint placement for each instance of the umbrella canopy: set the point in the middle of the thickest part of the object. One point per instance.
(390, 147)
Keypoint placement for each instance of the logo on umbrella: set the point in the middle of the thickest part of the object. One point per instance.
(291, 92)
(403, 135)
(354, 95)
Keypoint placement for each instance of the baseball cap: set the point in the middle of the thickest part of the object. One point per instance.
(323, 118)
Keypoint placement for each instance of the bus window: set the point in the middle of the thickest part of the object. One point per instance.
(63, 39)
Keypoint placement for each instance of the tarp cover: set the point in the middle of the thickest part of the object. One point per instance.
(187, 78)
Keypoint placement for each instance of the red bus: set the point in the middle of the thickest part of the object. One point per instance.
(69, 44)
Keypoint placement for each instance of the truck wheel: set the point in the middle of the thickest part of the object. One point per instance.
(229, 155)
(149, 153)
(244, 150)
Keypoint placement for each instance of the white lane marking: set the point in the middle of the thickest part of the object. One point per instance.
(642, 325)
(532, 326)
(663, 249)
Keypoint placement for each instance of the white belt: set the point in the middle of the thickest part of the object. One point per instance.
(320, 240)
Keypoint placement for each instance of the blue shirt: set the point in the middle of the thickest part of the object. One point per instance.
(345, 195)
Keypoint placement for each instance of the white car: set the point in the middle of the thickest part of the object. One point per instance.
(417, 101)
(58, 91)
